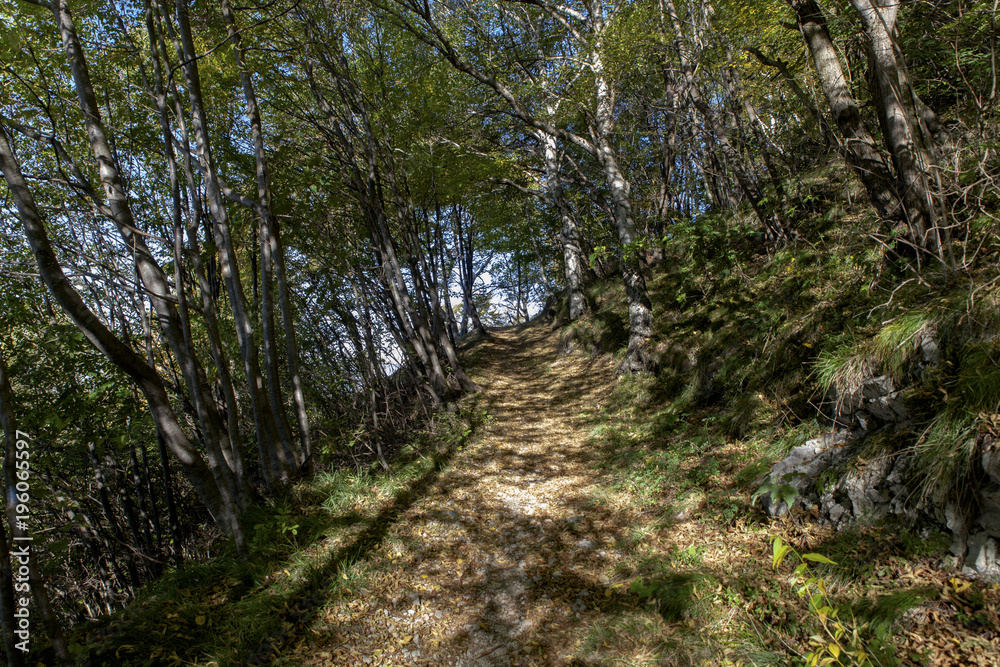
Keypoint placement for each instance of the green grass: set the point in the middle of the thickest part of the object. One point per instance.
(948, 458)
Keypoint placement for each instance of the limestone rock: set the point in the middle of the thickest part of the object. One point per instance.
(866, 489)
(874, 402)
(954, 518)
(989, 510)
(991, 459)
(984, 557)
(802, 467)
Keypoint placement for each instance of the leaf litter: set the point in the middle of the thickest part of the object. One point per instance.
(529, 550)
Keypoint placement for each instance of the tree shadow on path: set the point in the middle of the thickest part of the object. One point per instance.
(305, 600)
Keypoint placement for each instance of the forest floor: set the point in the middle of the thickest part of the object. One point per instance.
(561, 516)
(543, 541)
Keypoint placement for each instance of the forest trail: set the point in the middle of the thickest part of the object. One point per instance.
(504, 558)
(537, 543)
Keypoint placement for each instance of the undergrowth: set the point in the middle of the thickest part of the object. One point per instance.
(307, 547)
(754, 354)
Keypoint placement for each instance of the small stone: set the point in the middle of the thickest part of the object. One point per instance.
(439, 614)
(578, 606)
(585, 544)
(836, 512)
(983, 556)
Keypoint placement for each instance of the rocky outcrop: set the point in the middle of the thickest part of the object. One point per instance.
(828, 482)
(800, 471)
(874, 400)
(870, 405)
(826, 478)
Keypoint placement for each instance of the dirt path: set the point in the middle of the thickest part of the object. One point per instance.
(504, 558)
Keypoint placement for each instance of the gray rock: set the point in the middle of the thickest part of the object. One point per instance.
(885, 486)
(989, 510)
(836, 512)
(865, 488)
(954, 518)
(991, 460)
(983, 556)
(899, 489)
(926, 342)
(801, 468)
(873, 403)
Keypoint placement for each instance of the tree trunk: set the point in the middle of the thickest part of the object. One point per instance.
(909, 141)
(278, 469)
(151, 274)
(430, 310)
(740, 165)
(640, 310)
(777, 227)
(209, 292)
(271, 258)
(151, 495)
(446, 271)
(862, 152)
(799, 93)
(140, 492)
(173, 521)
(466, 274)
(573, 259)
(215, 497)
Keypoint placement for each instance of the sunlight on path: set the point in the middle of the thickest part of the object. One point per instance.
(501, 561)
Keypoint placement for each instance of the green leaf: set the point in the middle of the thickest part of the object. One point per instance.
(817, 558)
(780, 550)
